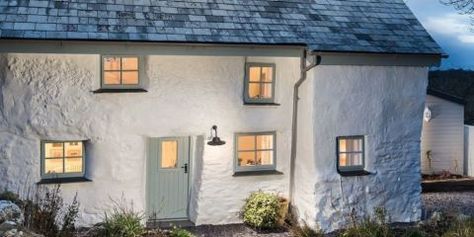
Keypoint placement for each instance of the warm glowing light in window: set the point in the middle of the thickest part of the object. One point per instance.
(63, 157)
(169, 154)
(120, 70)
(255, 150)
(351, 151)
(260, 82)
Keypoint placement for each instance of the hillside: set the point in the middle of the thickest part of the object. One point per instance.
(459, 83)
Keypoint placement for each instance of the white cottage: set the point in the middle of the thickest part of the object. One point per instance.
(442, 146)
(319, 101)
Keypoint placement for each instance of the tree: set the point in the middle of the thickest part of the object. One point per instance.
(463, 6)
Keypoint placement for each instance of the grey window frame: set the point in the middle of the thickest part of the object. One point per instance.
(247, 98)
(62, 175)
(338, 152)
(238, 168)
(141, 66)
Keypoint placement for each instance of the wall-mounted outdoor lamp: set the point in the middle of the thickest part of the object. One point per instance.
(215, 140)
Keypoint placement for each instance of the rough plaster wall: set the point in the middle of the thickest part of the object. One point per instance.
(303, 197)
(386, 105)
(443, 135)
(49, 97)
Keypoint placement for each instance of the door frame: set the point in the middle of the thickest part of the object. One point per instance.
(149, 182)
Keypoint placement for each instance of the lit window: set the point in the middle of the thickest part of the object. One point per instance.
(259, 83)
(350, 152)
(120, 72)
(255, 151)
(62, 159)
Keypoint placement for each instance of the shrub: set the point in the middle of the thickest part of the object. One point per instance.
(178, 232)
(305, 231)
(10, 196)
(48, 215)
(370, 227)
(261, 210)
(461, 229)
(122, 222)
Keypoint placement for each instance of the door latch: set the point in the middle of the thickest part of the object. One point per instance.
(185, 167)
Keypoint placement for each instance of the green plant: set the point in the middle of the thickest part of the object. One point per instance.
(178, 232)
(122, 222)
(370, 227)
(461, 229)
(10, 196)
(414, 232)
(305, 231)
(47, 214)
(261, 210)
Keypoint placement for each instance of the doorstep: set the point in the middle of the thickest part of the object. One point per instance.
(168, 223)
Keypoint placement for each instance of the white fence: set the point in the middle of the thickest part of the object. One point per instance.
(469, 150)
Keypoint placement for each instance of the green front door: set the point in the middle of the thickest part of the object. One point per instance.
(168, 178)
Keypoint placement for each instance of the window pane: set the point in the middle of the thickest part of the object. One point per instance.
(130, 63)
(246, 158)
(254, 74)
(112, 78)
(130, 78)
(254, 90)
(266, 91)
(246, 143)
(355, 159)
(53, 166)
(53, 150)
(267, 74)
(356, 145)
(169, 154)
(342, 145)
(264, 142)
(111, 63)
(265, 157)
(73, 165)
(73, 149)
(343, 159)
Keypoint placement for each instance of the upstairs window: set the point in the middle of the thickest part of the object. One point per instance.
(62, 159)
(259, 83)
(351, 153)
(255, 151)
(121, 72)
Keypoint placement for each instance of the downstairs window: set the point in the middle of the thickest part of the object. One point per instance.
(255, 151)
(350, 153)
(62, 159)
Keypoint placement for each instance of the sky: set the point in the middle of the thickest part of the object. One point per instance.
(453, 31)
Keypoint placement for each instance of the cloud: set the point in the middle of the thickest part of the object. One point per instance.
(452, 24)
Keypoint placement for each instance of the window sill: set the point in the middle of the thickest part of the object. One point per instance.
(257, 173)
(260, 104)
(137, 90)
(354, 173)
(64, 180)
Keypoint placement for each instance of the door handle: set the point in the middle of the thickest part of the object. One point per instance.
(185, 167)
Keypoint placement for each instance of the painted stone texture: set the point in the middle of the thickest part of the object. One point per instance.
(50, 97)
(385, 104)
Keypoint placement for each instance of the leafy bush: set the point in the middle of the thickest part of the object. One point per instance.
(122, 222)
(178, 232)
(261, 210)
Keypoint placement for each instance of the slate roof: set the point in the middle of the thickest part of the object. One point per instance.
(380, 26)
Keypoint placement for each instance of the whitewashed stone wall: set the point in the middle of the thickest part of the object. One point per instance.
(50, 97)
(386, 105)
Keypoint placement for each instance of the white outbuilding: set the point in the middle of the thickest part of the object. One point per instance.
(442, 146)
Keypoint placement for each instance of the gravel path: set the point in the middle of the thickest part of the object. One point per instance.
(236, 230)
(451, 202)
